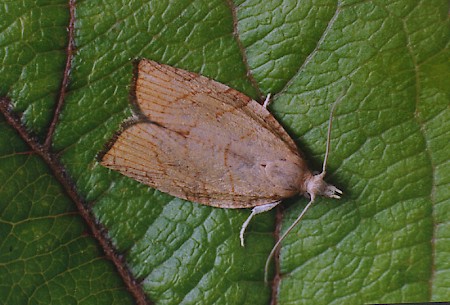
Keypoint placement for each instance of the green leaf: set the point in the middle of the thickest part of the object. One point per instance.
(384, 241)
(45, 254)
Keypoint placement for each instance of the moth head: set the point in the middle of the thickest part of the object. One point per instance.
(315, 185)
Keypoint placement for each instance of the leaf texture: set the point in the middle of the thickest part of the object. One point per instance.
(66, 71)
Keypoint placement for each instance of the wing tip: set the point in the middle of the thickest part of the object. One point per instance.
(136, 109)
(100, 157)
(137, 115)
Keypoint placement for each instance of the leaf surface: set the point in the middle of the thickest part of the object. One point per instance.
(384, 241)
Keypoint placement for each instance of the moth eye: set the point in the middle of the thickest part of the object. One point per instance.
(263, 164)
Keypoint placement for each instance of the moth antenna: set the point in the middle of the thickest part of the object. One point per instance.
(277, 244)
(330, 190)
(330, 124)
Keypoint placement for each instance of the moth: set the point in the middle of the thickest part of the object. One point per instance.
(200, 140)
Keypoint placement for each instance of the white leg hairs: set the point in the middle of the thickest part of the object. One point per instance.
(256, 210)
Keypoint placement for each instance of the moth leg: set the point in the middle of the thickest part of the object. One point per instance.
(267, 101)
(256, 210)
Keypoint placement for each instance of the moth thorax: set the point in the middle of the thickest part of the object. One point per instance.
(315, 185)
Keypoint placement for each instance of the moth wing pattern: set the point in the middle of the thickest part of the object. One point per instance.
(177, 87)
(203, 141)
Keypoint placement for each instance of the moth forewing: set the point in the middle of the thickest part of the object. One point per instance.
(203, 141)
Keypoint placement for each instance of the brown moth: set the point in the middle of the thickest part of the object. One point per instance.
(200, 140)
